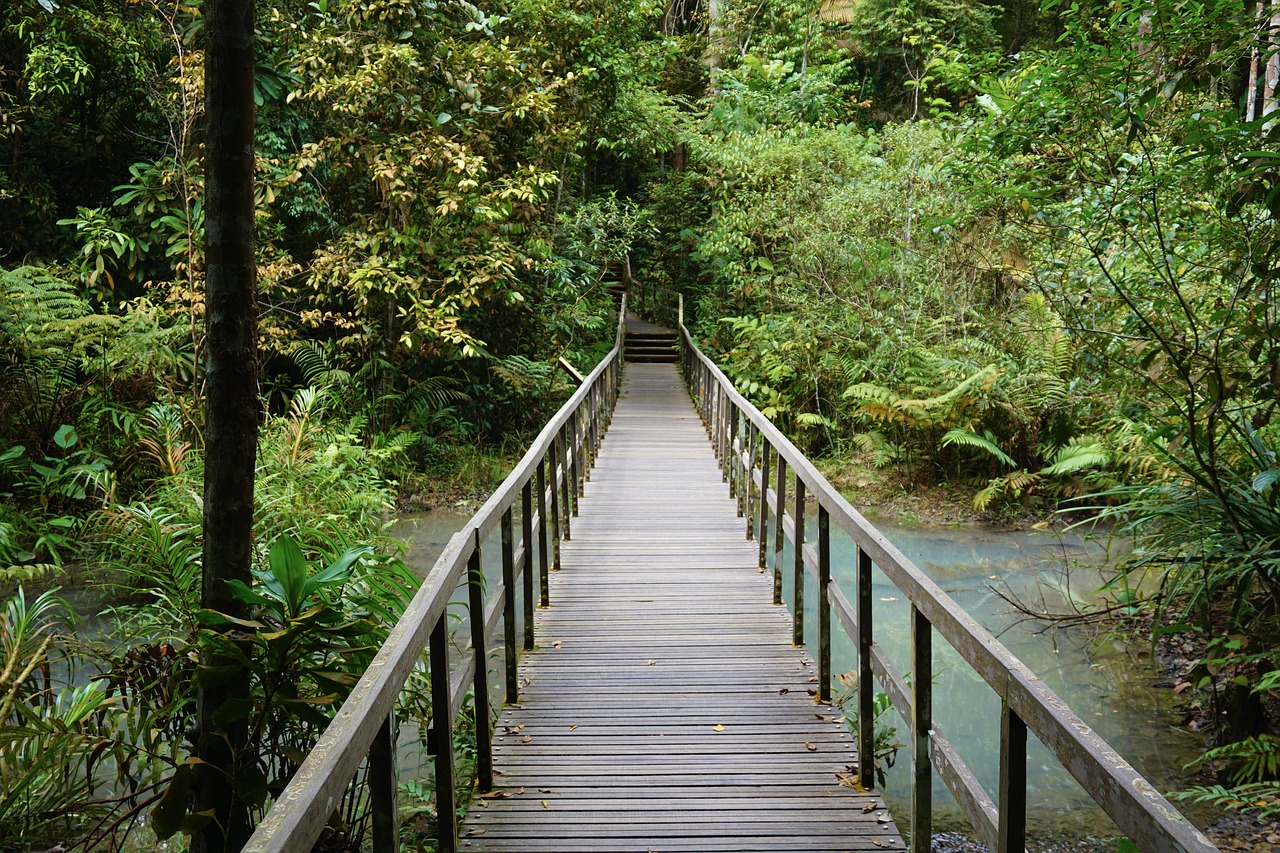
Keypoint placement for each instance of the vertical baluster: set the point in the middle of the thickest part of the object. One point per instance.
(750, 485)
(779, 533)
(553, 471)
(509, 608)
(733, 468)
(544, 585)
(797, 575)
(921, 723)
(765, 447)
(722, 421)
(866, 684)
(382, 788)
(824, 604)
(575, 445)
(526, 536)
(1011, 833)
(446, 804)
(565, 499)
(480, 650)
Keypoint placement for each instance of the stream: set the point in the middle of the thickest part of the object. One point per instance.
(1107, 679)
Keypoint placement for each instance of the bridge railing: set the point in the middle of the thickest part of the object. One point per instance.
(546, 484)
(762, 466)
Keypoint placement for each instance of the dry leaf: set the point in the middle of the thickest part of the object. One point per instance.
(784, 691)
(475, 832)
(544, 790)
(812, 747)
(572, 727)
(526, 738)
(521, 791)
(717, 728)
(545, 804)
(650, 662)
(556, 644)
(883, 817)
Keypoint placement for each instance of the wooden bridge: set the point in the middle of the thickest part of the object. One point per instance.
(665, 701)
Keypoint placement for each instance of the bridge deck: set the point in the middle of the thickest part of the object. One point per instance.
(665, 708)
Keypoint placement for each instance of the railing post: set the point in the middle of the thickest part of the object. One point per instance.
(526, 536)
(824, 604)
(866, 682)
(565, 499)
(1011, 832)
(480, 683)
(553, 470)
(509, 609)
(921, 724)
(779, 533)
(382, 789)
(446, 805)
(544, 585)
(765, 447)
(797, 619)
(749, 487)
(574, 448)
(731, 459)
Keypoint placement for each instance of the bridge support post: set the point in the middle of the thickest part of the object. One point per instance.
(749, 481)
(382, 788)
(1011, 833)
(797, 574)
(866, 683)
(824, 604)
(526, 538)
(446, 804)
(562, 457)
(480, 682)
(764, 499)
(921, 723)
(731, 458)
(509, 609)
(779, 533)
(575, 469)
(544, 586)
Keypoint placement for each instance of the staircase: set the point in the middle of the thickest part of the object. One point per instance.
(651, 347)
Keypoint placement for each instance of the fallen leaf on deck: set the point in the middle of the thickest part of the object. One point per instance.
(545, 804)
(526, 738)
(544, 790)
(521, 791)
(493, 795)
(883, 817)
(784, 691)
(870, 807)
(572, 727)
(811, 746)
(475, 832)
(650, 662)
(717, 728)
(556, 644)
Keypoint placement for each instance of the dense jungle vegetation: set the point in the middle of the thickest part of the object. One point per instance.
(1025, 249)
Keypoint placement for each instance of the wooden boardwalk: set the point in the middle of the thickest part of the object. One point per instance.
(665, 709)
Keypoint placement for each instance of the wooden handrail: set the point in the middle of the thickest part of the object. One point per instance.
(745, 441)
(555, 465)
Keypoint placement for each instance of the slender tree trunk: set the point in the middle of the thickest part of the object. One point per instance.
(714, 39)
(1272, 78)
(1251, 93)
(231, 396)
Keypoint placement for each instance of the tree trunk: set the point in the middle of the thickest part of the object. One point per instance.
(1272, 79)
(231, 397)
(1251, 93)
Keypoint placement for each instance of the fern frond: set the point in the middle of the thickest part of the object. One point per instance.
(985, 442)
